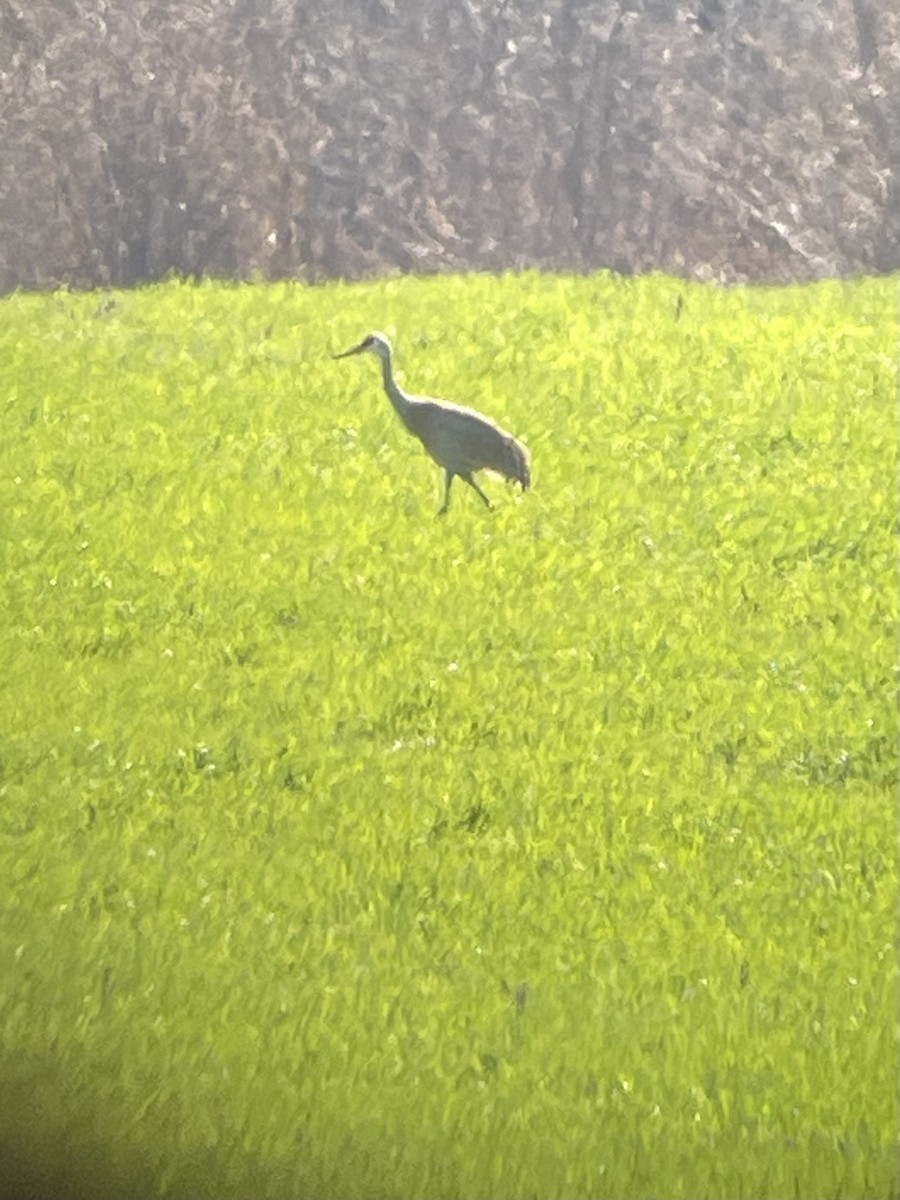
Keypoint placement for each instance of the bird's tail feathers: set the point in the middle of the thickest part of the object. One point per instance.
(516, 463)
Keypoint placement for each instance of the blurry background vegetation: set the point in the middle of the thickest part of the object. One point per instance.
(741, 140)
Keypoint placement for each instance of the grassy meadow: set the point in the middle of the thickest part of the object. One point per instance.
(546, 852)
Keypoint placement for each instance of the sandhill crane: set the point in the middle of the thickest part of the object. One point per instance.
(459, 439)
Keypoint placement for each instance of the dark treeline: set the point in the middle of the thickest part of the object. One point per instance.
(733, 139)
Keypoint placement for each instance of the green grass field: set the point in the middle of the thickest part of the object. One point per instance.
(544, 852)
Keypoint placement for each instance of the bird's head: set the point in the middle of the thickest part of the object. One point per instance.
(375, 343)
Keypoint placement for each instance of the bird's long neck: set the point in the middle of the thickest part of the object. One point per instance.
(401, 402)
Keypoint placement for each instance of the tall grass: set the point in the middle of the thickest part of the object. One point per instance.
(545, 852)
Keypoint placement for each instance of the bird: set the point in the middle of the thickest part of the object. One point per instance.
(459, 439)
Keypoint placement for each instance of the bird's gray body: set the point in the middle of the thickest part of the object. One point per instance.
(459, 439)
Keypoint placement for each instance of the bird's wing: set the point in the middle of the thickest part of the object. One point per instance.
(460, 439)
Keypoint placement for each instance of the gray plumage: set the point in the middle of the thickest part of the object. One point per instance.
(459, 439)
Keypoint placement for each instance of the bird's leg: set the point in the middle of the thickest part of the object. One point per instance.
(472, 484)
(443, 509)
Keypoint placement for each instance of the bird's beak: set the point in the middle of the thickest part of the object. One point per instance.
(347, 353)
